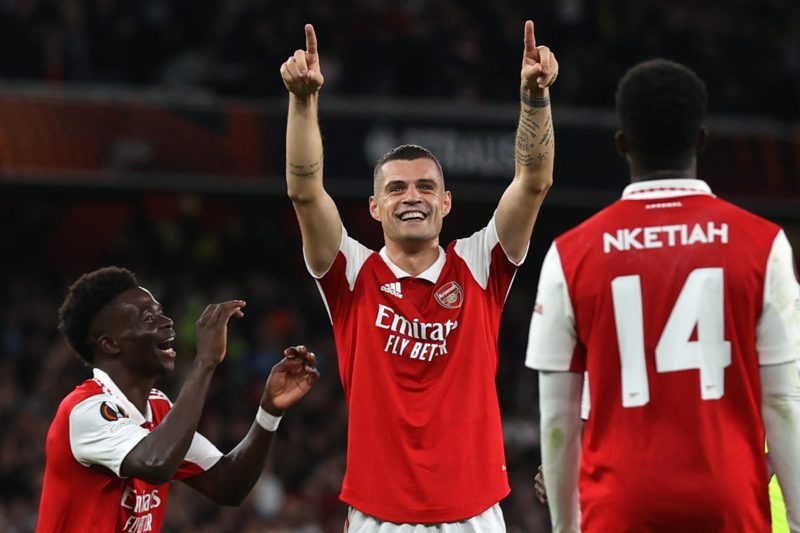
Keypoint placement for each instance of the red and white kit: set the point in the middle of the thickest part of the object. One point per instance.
(670, 299)
(418, 359)
(94, 429)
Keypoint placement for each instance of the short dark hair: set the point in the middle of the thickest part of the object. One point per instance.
(85, 299)
(404, 152)
(661, 106)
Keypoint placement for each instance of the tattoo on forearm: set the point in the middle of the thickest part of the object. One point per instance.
(535, 102)
(304, 170)
(523, 158)
(529, 125)
(532, 134)
(524, 140)
(547, 138)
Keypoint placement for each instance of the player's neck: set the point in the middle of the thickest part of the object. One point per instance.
(663, 175)
(412, 256)
(135, 388)
(638, 173)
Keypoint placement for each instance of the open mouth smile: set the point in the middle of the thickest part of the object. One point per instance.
(412, 216)
(166, 348)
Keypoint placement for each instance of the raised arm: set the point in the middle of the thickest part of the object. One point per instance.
(319, 219)
(232, 478)
(535, 149)
(158, 456)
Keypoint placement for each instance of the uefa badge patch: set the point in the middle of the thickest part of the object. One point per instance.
(112, 412)
(450, 295)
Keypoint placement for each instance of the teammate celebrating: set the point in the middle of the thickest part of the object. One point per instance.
(116, 442)
(685, 311)
(416, 326)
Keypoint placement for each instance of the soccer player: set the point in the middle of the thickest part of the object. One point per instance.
(116, 443)
(685, 312)
(416, 326)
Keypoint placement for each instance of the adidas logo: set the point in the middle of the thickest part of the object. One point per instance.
(393, 289)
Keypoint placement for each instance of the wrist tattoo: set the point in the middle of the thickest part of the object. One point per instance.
(534, 102)
(304, 170)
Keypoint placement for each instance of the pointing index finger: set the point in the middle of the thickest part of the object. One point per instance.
(530, 39)
(311, 39)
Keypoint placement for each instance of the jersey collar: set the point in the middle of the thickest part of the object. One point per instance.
(430, 274)
(667, 188)
(135, 415)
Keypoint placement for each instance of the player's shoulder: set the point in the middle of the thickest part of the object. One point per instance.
(87, 389)
(743, 216)
(90, 390)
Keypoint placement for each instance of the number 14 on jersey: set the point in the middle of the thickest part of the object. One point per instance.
(700, 305)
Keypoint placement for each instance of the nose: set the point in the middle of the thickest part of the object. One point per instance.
(166, 322)
(412, 195)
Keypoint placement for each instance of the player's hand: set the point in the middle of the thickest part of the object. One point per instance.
(212, 330)
(301, 72)
(289, 380)
(539, 65)
(538, 486)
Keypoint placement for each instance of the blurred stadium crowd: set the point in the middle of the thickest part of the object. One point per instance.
(192, 250)
(748, 52)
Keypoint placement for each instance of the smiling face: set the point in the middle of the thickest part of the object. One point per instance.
(410, 201)
(134, 329)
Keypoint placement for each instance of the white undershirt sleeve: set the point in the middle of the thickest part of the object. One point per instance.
(778, 329)
(96, 440)
(560, 405)
(780, 407)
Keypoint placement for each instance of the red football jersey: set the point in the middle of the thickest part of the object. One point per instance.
(94, 429)
(670, 299)
(418, 360)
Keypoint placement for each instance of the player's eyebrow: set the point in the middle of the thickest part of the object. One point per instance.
(154, 308)
(418, 181)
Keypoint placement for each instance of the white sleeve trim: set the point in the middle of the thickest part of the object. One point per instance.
(552, 336)
(202, 452)
(780, 389)
(778, 329)
(94, 440)
(476, 251)
(355, 253)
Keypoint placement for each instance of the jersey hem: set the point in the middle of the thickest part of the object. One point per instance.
(426, 516)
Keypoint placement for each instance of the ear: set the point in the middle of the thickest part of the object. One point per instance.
(373, 208)
(702, 139)
(621, 142)
(107, 345)
(448, 203)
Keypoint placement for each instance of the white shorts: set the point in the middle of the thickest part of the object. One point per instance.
(489, 521)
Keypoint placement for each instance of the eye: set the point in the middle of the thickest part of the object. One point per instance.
(149, 317)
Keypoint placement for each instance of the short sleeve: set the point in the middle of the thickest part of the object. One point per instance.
(778, 329)
(552, 336)
(478, 252)
(100, 432)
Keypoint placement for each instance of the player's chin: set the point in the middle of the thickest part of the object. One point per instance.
(421, 233)
(167, 360)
